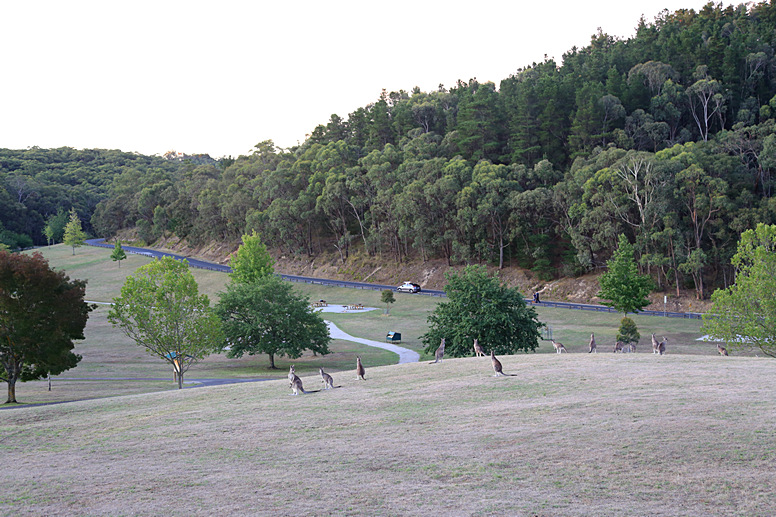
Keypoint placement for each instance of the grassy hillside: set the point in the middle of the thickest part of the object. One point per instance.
(570, 434)
(113, 365)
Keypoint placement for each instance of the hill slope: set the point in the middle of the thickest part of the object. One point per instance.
(569, 435)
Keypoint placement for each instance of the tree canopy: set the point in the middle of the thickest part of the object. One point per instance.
(160, 308)
(251, 262)
(744, 314)
(42, 312)
(480, 307)
(625, 289)
(266, 316)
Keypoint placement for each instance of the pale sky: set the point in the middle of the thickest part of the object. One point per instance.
(218, 77)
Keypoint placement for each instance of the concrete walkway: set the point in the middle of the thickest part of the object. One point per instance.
(405, 355)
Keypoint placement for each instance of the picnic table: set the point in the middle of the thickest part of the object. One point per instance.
(355, 307)
(320, 303)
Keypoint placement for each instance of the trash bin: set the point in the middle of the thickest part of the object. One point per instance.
(393, 337)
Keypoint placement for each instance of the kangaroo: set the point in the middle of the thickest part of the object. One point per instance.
(291, 376)
(440, 352)
(478, 349)
(655, 345)
(592, 345)
(559, 348)
(662, 346)
(360, 369)
(497, 366)
(326, 379)
(296, 386)
(619, 346)
(722, 350)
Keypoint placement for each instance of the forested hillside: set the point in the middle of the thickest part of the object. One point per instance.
(667, 137)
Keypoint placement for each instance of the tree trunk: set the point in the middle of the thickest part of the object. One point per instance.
(11, 392)
(272, 362)
(180, 380)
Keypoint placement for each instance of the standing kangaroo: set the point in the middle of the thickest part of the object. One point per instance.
(296, 386)
(359, 369)
(291, 376)
(559, 348)
(655, 345)
(592, 345)
(662, 346)
(326, 379)
(440, 352)
(497, 366)
(722, 350)
(478, 349)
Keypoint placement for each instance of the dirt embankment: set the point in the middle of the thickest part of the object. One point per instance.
(430, 274)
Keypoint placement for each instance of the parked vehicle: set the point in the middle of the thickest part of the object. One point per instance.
(408, 287)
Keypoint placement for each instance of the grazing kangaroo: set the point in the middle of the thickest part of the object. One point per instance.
(592, 345)
(326, 379)
(722, 350)
(559, 348)
(440, 352)
(359, 369)
(296, 386)
(655, 345)
(497, 366)
(662, 346)
(478, 349)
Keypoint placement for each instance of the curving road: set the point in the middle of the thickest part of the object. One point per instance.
(201, 264)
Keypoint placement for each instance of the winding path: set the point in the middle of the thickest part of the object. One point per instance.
(405, 354)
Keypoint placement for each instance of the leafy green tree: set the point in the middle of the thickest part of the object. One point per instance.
(628, 332)
(55, 227)
(41, 312)
(74, 235)
(387, 298)
(251, 262)
(622, 284)
(744, 314)
(118, 253)
(479, 306)
(268, 317)
(161, 309)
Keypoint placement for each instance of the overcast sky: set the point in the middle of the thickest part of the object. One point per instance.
(218, 77)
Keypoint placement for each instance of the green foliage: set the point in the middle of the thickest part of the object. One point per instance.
(160, 308)
(387, 298)
(744, 314)
(266, 316)
(118, 253)
(480, 307)
(55, 226)
(74, 235)
(41, 312)
(628, 332)
(251, 262)
(622, 284)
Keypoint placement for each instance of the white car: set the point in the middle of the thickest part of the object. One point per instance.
(408, 287)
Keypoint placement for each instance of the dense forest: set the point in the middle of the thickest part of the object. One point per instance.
(667, 137)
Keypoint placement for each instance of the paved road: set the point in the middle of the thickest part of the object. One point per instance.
(363, 285)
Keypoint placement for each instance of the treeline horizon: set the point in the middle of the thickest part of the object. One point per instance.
(666, 137)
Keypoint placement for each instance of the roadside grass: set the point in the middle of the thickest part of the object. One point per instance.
(108, 354)
(589, 435)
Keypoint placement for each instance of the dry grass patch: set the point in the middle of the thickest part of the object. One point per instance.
(570, 435)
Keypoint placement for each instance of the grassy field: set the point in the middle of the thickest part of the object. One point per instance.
(110, 359)
(689, 433)
(570, 434)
